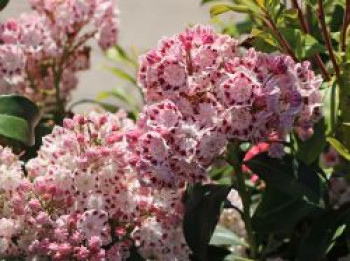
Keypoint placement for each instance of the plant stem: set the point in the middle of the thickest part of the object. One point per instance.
(245, 196)
(59, 102)
(284, 43)
(327, 38)
(305, 28)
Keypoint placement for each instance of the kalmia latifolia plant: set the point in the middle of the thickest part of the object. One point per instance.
(42, 51)
(240, 152)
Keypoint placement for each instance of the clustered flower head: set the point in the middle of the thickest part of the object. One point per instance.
(50, 44)
(82, 200)
(202, 91)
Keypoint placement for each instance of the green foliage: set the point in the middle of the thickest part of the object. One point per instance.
(322, 235)
(18, 118)
(278, 205)
(308, 151)
(202, 209)
(225, 237)
(288, 176)
(342, 150)
(130, 97)
(3, 4)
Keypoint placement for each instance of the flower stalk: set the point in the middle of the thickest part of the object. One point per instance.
(239, 182)
(326, 36)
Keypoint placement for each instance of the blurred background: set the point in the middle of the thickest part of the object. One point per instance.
(142, 24)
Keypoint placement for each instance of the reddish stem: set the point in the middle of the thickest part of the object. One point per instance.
(305, 29)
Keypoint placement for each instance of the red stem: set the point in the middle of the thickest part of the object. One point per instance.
(327, 38)
(305, 29)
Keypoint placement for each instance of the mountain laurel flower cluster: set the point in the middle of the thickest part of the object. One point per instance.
(82, 200)
(202, 90)
(43, 50)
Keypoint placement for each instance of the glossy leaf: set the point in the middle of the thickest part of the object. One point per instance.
(223, 8)
(225, 237)
(202, 210)
(330, 106)
(339, 147)
(281, 174)
(18, 118)
(323, 232)
(280, 212)
(309, 151)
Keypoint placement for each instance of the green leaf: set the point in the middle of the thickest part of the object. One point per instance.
(280, 212)
(18, 118)
(264, 40)
(282, 174)
(122, 75)
(339, 147)
(202, 211)
(225, 237)
(321, 236)
(214, 253)
(117, 53)
(330, 106)
(291, 13)
(120, 95)
(251, 4)
(116, 93)
(3, 4)
(223, 8)
(311, 46)
(261, 3)
(106, 106)
(207, 1)
(304, 45)
(309, 151)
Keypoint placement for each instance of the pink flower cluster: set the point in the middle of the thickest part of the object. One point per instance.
(50, 44)
(82, 200)
(202, 91)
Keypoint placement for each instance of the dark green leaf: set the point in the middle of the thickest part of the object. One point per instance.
(207, 1)
(3, 4)
(214, 253)
(310, 178)
(282, 175)
(18, 118)
(280, 212)
(202, 210)
(321, 236)
(309, 151)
